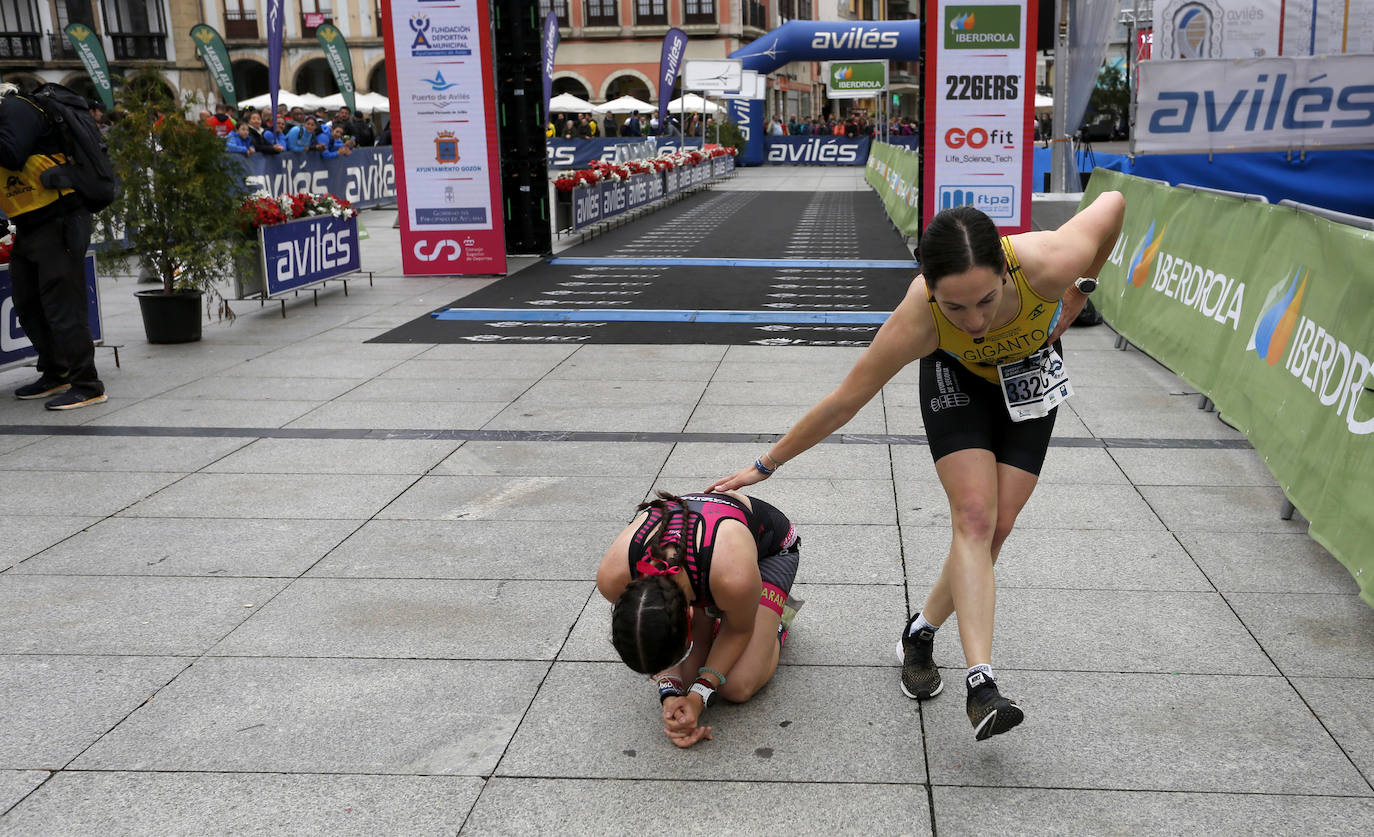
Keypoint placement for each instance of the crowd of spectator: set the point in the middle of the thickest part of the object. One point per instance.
(294, 130)
(593, 126)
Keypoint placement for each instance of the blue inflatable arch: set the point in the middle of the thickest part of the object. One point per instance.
(805, 40)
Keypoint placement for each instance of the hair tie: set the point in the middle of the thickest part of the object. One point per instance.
(653, 566)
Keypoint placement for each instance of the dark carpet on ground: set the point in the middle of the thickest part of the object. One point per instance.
(722, 225)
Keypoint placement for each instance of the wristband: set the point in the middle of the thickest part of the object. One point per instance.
(669, 686)
(763, 469)
(703, 689)
(709, 670)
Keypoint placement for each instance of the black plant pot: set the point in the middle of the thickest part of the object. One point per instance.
(170, 318)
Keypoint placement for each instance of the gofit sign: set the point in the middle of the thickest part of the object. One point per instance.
(855, 79)
(982, 27)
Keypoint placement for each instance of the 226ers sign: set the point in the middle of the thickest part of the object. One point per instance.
(980, 67)
(443, 130)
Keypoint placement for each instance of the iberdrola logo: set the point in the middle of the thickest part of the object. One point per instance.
(1143, 259)
(1279, 315)
(845, 73)
(962, 22)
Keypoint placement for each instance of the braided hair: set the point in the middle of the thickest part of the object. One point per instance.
(649, 621)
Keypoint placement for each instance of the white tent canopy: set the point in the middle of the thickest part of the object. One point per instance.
(625, 104)
(1043, 102)
(692, 103)
(291, 100)
(568, 103)
(367, 102)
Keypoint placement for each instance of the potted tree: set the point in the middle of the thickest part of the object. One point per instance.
(177, 210)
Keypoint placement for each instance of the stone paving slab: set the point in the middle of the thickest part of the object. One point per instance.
(54, 614)
(15, 785)
(264, 388)
(206, 412)
(82, 493)
(400, 415)
(1242, 562)
(787, 732)
(536, 807)
(412, 619)
(1342, 704)
(1310, 634)
(518, 498)
(14, 442)
(1052, 506)
(704, 462)
(79, 803)
(1067, 559)
(1045, 812)
(1221, 734)
(192, 547)
(631, 418)
(474, 549)
(57, 706)
(326, 716)
(572, 459)
(914, 469)
(334, 456)
(1198, 467)
(775, 419)
(118, 453)
(1222, 508)
(27, 535)
(265, 496)
(415, 391)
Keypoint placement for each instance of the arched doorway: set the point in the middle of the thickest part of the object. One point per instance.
(250, 78)
(567, 84)
(315, 77)
(26, 82)
(81, 84)
(376, 80)
(151, 87)
(628, 85)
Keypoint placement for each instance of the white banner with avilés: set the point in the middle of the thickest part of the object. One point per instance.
(1269, 311)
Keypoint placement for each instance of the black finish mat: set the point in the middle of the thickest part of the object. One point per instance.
(795, 227)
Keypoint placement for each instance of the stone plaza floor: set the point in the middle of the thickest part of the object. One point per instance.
(269, 588)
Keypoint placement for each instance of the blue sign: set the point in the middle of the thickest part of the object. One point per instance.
(608, 199)
(14, 343)
(365, 178)
(816, 151)
(308, 250)
(579, 153)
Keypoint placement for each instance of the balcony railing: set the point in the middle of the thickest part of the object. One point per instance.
(241, 24)
(28, 45)
(62, 49)
(151, 46)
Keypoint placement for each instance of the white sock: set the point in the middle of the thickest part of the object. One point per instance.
(920, 624)
(985, 668)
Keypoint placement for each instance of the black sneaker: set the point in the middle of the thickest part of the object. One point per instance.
(75, 398)
(989, 712)
(40, 388)
(920, 677)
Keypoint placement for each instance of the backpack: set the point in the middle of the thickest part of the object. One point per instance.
(88, 170)
(1089, 316)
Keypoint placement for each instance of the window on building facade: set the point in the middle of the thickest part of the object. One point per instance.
(137, 29)
(20, 32)
(651, 12)
(558, 7)
(754, 13)
(601, 13)
(241, 18)
(699, 11)
(314, 13)
(795, 9)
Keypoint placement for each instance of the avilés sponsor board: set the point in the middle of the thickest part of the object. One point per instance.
(979, 91)
(443, 131)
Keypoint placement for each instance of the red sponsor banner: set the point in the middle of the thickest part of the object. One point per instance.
(443, 134)
(1144, 40)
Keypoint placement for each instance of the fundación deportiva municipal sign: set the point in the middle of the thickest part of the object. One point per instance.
(855, 79)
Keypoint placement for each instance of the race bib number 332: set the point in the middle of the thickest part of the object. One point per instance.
(1035, 385)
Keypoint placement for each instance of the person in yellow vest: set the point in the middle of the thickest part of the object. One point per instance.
(983, 318)
(47, 264)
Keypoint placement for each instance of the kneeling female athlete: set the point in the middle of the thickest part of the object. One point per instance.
(699, 585)
(989, 305)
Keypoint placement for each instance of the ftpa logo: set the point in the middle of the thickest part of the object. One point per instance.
(1275, 326)
(993, 201)
(983, 27)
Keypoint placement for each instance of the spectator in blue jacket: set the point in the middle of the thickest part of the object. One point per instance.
(241, 141)
(334, 142)
(304, 137)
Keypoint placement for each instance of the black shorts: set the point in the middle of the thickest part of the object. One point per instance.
(963, 411)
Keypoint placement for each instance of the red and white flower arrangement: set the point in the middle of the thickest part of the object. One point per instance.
(264, 210)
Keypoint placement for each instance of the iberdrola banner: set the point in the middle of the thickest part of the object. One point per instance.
(336, 53)
(87, 46)
(212, 51)
(1269, 311)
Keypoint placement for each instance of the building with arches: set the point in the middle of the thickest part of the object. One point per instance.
(155, 34)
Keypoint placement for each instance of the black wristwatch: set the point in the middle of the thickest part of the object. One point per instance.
(1085, 284)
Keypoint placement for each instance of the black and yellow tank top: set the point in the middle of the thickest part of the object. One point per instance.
(1018, 339)
(22, 191)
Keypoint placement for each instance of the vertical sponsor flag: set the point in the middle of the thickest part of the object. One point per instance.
(674, 48)
(336, 52)
(87, 45)
(551, 37)
(211, 48)
(275, 21)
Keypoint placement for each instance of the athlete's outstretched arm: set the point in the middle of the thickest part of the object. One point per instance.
(1080, 247)
(908, 334)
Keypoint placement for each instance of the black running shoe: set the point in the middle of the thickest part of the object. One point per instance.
(989, 712)
(920, 677)
(74, 399)
(44, 386)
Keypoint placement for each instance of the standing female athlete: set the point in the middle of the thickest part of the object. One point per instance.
(994, 307)
(699, 585)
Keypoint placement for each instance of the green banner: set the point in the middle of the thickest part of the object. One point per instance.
(1269, 311)
(895, 174)
(982, 27)
(212, 51)
(336, 52)
(87, 46)
(856, 78)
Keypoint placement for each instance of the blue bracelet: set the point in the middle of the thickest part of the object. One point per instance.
(709, 670)
(763, 469)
